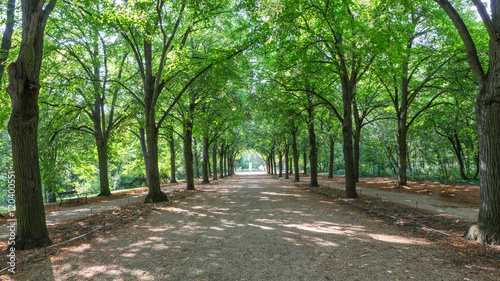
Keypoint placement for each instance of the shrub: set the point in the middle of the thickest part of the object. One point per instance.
(130, 181)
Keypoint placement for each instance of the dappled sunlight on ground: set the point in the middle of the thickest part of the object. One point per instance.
(399, 239)
(230, 232)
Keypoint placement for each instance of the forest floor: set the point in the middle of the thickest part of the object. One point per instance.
(461, 201)
(257, 228)
(56, 213)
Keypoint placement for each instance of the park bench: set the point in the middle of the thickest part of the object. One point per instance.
(71, 196)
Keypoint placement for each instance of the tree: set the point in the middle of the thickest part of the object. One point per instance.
(411, 73)
(488, 116)
(166, 31)
(96, 98)
(23, 89)
(7, 36)
(330, 129)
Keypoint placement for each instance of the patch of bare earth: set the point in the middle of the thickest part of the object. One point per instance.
(258, 228)
(465, 194)
(55, 207)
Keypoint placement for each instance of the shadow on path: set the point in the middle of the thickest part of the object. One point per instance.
(253, 227)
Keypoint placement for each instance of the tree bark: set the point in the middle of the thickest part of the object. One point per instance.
(221, 161)
(142, 140)
(196, 165)
(330, 164)
(347, 96)
(313, 157)
(155, 194)
(188, 154)
(295, 157)
(274, 163)
(224, 163)
(24, 89)
(287, 149)
(7, 37)
(214, 161)
(402, 151)
(457, 148)
(356, 141)
(280, 161)
(205, 161)
(488, 122)
(102, 154)
(171, 144)
(305, 163)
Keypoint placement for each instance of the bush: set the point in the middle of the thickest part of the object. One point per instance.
(164, 178)
(130, 181)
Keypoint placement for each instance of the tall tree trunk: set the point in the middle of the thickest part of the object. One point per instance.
(196, 167)
(313, 157)
(305, 163)
(221, 160)
(102, 154)
(488, 120)
(488, 123)
(330, 164)
(280, 164)
(347, 96)
(209, 167)
(142, 139)
(205, 161)
(287, 149)
(214, 161)
(457, 148)
(24, 89)
(295, 152)
(7, 37)
(356, 140)
(155, 194)
(224, 163)
(391, 159)
(402, 151)
(274, 163)
(188, 155)
(171, 144)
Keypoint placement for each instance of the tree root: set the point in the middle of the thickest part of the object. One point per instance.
(483, 234)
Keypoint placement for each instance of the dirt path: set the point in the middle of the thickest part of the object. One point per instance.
(253, 228)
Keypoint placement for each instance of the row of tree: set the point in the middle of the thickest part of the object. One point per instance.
(131, 77)
(383, 69)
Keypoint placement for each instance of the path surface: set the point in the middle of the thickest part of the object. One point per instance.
(253, 228)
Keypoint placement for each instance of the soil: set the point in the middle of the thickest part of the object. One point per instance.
(466, 195)
(101, 200)
(258, 228)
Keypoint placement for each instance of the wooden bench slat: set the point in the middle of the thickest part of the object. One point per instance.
(70, 196)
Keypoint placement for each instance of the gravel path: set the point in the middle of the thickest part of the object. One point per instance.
(253, 228)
